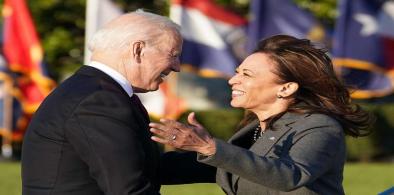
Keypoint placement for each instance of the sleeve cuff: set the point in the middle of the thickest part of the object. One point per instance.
(221, 155)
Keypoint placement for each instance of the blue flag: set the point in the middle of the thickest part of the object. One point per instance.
(271, 17)
(358, 48)
(210, 34)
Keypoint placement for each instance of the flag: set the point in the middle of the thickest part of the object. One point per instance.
(386, 30)
(212, 36)
(213, 46)
(23, 52)
(361, 43)
(271, 17)
(23, 79)
(386, 19)
(164, 102)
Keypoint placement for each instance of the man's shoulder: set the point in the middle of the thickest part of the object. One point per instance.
(79, 88)
(88, 80)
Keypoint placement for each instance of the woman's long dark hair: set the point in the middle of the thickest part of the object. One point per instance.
(320, 90)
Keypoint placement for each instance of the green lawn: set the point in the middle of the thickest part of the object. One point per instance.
(368, 178)
(360, 179)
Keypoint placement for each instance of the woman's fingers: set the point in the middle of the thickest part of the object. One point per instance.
(191, 137)
(160, 140)
(167, 137)
(168, 122)
(164, 131)
(159, 132)
(172, 124)
(159, 126)
(191, 118)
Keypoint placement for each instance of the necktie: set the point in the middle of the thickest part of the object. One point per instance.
(137, 102)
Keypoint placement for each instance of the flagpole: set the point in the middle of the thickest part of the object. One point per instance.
(6, 147)
(91, 25)
(98, 13)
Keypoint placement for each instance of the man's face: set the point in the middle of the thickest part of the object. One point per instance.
(156, 62)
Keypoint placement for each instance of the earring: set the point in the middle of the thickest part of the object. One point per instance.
(279, 96)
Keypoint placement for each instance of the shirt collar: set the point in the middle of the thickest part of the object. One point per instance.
(119, 78)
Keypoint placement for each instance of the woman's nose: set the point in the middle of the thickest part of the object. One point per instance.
(232, 80)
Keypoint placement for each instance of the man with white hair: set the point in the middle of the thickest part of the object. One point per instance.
(90, 136)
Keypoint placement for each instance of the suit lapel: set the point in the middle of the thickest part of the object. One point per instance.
(140, 107)
(268, 140)
(271, 137)
(223, 177)
(244, 131)
(142, 120)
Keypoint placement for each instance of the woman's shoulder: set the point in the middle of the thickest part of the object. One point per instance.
(315, 121)
(313, 128)
(321, 119)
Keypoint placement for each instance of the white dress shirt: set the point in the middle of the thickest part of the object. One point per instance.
(119, 78)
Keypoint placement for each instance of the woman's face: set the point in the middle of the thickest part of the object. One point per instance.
(255, 86)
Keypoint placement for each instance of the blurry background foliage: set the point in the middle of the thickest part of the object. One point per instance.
(61, 25)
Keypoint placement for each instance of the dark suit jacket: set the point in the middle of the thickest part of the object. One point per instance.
(305, 155)
(87, 138)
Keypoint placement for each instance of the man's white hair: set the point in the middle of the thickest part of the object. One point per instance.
(138, 25)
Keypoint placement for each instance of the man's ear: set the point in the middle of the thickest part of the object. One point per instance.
(288, 89)
(137, 50)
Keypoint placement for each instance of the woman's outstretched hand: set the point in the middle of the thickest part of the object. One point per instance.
(190, 137)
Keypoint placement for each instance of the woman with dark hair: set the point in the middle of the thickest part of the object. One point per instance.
(292, 139)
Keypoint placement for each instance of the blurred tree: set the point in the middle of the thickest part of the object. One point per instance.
(61, 27)
(324, 10)
(240, 7)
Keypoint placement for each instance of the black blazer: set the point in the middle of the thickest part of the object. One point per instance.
(87, 138)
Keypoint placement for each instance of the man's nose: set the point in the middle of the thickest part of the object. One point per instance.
(176, 66)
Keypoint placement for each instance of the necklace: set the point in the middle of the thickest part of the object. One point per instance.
(257, 133)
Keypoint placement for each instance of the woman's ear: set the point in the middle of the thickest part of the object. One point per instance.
(137, 50)
(287, 89)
